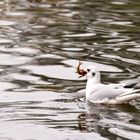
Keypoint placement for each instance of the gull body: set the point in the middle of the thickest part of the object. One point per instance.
(97, 92)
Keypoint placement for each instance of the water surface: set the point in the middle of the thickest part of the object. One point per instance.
(41, 42)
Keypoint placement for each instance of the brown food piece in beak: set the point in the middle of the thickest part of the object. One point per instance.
(80, 71)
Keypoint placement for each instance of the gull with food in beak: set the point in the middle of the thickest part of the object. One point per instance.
(97, 92)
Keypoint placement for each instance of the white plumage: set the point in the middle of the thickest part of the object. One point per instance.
(97, 92)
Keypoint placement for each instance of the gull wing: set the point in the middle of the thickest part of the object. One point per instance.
(109, 94)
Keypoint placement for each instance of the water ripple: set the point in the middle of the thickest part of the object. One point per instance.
(41, 43)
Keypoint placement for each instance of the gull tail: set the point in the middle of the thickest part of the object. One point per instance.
(126, 97)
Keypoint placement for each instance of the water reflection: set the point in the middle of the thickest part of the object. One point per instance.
(41, 42)
(115, 119)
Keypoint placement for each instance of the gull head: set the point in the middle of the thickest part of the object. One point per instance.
(90, 72)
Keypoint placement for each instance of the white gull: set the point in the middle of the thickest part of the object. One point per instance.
(97, 92)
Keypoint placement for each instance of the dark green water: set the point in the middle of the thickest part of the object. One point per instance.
(41, 42)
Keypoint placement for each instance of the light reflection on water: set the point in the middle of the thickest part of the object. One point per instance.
(41, 42)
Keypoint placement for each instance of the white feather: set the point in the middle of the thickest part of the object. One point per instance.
(97, 92)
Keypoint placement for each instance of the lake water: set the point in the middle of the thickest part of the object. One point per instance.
(41, 43)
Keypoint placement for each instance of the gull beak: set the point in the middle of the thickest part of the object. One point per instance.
(80, 71)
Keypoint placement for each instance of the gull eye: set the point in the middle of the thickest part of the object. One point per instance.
(88, 70)
(93, 74)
